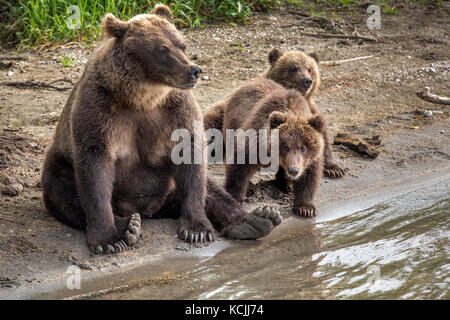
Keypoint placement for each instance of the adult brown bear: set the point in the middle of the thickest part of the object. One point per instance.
(110, 160)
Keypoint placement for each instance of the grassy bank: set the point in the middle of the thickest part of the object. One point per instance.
(30, 23)
(36, 22)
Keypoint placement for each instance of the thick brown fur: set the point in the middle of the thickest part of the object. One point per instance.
(293, 70)
(111, 154)
(300, 141)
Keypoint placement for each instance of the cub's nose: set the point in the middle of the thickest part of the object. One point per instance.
(307, 82)
(194, 72)
(293, 171)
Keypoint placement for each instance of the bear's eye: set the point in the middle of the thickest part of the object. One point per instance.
(309, 70)
(303, 149)
(164, 49)
(293, 69)
(286, 148)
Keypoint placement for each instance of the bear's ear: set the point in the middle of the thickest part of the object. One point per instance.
(277, 118)
(317, 123)
(164, 12)
(274, 55)
(114, 27)
(314, 55)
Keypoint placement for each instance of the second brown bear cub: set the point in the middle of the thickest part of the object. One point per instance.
(300, 144)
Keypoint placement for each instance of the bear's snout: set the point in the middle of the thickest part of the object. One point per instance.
(307, 82)
(194, 72)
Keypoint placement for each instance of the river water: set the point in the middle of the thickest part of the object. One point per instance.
(397, 249)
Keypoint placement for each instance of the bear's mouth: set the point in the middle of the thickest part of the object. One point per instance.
(294, 177)
(303, 90)
(188, 85)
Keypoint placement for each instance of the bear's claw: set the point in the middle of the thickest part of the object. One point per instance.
(196, 232)
(333, 171)
(129, 238)
(305, 210)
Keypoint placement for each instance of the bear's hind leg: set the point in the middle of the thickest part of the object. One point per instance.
(62, 201)
(60, 192)
(331, 169)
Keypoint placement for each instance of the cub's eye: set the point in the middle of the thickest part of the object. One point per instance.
(303, 149)
(293, 69)
(309, 70)
(286, 148)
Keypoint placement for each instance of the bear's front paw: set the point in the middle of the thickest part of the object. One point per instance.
(305, 210)
(333, 171)
(196, 230)
(109, 240)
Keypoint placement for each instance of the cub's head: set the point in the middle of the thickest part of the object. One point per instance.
(295, 70)
(148, 47)
(300, 141)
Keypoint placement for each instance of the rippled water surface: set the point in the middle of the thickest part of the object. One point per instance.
(398, 249)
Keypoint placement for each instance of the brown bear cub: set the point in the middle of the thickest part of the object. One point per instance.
(110, 161)
(293, 70)
(300, 141)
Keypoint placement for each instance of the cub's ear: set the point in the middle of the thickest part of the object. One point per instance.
(317, 123)
(164, 12)
(274, 55)
(314, 55)
(277, 118)
(114, 27)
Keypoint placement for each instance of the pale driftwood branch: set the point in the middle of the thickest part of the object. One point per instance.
(428, 96)
(338, 62)
(355, 35)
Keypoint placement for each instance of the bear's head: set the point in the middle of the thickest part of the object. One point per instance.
(149, 48)
(295, 70)
(300, 141)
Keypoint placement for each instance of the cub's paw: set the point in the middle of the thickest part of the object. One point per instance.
(261, 222)
(192, 230)
(333, 171)
(270, 213)
(305, 210)
(133, 232)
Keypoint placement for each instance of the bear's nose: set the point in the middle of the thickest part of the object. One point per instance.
(293, 171)
(307, 82)
(194, 72)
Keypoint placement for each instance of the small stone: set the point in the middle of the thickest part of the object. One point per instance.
(433, 70)
(12, 189)
(442, 131)
(206, 78)
(428, 113)
(10, 73)
(389, 122)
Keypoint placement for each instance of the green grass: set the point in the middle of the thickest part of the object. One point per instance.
(36, 22)
(66, 61)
